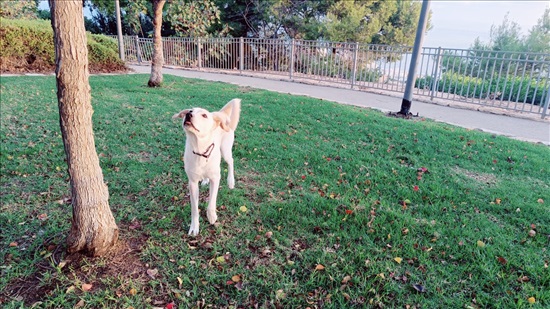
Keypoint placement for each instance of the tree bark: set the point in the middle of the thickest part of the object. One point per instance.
(158, 57)
(93, 230)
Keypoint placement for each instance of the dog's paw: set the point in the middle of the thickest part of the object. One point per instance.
(231, 182)
(205, 181)
(194, 230)
(212, 216)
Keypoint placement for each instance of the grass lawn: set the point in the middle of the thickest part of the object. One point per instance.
(334, 206)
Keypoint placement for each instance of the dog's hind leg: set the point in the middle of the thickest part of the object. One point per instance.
(194, 194)
(227, 155)
(211, 210)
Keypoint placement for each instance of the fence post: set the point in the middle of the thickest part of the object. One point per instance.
(291, 66)
(138, 50)
(354, 67)
(547, 104)
(241, 55)
(435, 73)
(199, 53)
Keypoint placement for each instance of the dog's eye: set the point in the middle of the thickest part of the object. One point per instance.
(204, 116)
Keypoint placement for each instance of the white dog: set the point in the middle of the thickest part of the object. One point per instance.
(209, 136)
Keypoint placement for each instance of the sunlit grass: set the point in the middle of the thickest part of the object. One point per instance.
(344, 206)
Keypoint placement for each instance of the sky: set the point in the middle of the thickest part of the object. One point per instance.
(456, 24)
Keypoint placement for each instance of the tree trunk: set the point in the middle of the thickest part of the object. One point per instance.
(158, 58)
(93, 229)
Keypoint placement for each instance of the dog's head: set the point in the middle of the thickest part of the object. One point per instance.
(202, 122)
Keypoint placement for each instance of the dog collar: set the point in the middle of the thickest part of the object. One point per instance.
(207, 153)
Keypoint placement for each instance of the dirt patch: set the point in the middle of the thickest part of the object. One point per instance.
(121, 262)
(485, 178)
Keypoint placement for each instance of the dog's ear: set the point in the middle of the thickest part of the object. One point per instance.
(222, 120)
(181, 114)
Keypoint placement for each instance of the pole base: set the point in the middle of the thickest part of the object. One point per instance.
(405, 107)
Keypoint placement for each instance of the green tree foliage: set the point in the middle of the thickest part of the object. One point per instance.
(380, 22)
(377, 22)
(538, 39)
(20, 9)
(506, 51)
(193, 18)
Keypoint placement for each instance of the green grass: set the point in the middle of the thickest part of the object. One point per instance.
(335, 185)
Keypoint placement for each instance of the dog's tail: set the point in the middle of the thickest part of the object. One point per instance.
(233, 110)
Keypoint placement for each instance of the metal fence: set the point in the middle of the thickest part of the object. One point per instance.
(508, 80)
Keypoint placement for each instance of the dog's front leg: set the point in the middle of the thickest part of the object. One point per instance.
(194, 194)
(211, 210)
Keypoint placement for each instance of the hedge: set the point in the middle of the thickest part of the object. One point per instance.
(507, 88)
(27, 46)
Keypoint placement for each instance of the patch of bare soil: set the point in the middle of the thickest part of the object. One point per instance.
(122, 261)
(488, 179)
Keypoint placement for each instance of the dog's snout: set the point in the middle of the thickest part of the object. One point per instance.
(188, 116)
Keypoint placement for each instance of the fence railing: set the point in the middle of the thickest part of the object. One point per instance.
(508, 80)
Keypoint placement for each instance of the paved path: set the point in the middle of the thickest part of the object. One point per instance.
(537, 131)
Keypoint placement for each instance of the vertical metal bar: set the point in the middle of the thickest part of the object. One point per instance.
(241, 55)
(291, 64)
(435, 73)
(199, 53)
(138, 50)
(545, 108)
(354, 67)
(530, 79)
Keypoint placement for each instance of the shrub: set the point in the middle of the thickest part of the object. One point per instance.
(508, 88)
(27, 46)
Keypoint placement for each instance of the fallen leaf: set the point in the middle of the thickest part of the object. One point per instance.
(152, 272)
(540, 201)
(86, 287)
(502, 260)
(415, 188)
(280, 294)
(239, 285)
(498, 201)
(170, 306)
(319, 267)
(180, 282)
(532, 233)
(346, 279)
(42, 217)
(13, 244)
(236, 278)
(220, 259)
(62, 264)
(70, 289)
(523, 279)
(419, 288)
(531, 300)
(243, 209)
(79, 304)
(398, 260)
(133, 291)
(480, 244)
(349, 211)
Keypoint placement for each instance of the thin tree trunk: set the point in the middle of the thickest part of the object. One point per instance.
(158, 57)
(93, 230)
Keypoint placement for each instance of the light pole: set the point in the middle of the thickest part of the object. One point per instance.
(420, 30)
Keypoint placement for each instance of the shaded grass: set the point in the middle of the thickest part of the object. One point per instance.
(337, 186)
